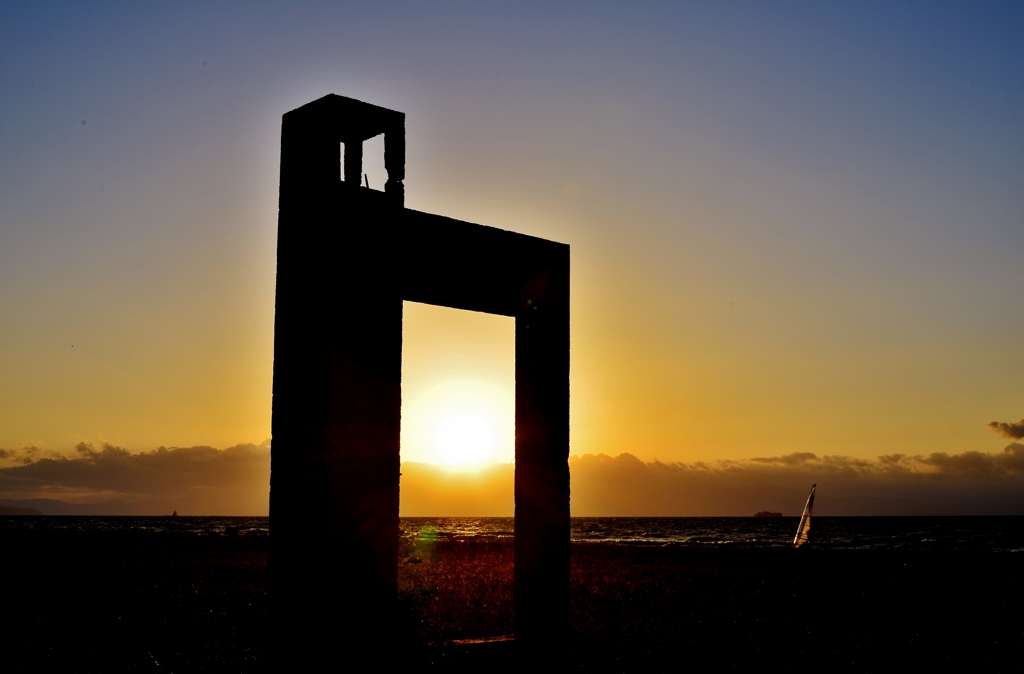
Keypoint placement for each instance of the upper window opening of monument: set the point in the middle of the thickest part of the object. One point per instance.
(373, 163)
(372, 172)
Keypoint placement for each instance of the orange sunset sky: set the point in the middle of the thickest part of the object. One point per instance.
(795, 232)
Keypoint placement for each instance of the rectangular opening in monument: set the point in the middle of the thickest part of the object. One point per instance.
(370, 172)
(458, 453)
(373, 163)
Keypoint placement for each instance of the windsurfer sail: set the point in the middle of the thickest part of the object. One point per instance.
(803, 530)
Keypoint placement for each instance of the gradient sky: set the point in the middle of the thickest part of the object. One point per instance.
(794, 228)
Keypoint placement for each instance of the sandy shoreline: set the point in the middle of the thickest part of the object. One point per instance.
(159, 602)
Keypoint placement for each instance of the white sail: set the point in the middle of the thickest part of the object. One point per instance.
(803, 529)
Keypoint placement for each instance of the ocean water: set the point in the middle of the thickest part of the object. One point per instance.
(924, 533)
(1001, 534)
(155, 524)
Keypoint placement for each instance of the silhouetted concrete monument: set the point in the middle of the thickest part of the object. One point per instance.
(347, 258)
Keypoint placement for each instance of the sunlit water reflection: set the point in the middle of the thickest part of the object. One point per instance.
(920, 533)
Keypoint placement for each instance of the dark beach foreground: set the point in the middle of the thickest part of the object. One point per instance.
(113, 601)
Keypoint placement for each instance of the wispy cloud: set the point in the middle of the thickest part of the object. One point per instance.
(24, 454)
(1011, 430)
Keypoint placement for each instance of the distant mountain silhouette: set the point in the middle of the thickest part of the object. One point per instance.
(5, 510)
(47, 506)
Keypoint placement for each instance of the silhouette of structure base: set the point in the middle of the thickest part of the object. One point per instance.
(347, 258)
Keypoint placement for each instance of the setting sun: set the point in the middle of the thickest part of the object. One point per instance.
(464, 437)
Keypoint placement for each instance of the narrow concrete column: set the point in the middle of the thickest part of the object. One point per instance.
(542, 468)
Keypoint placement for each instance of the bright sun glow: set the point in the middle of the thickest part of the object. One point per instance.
(464, 437)
(459, 423)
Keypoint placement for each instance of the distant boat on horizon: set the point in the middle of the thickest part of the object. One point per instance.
(803, 530)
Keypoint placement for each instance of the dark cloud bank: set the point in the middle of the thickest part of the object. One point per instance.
(235, 481)
(191, 480)
(971, 483)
